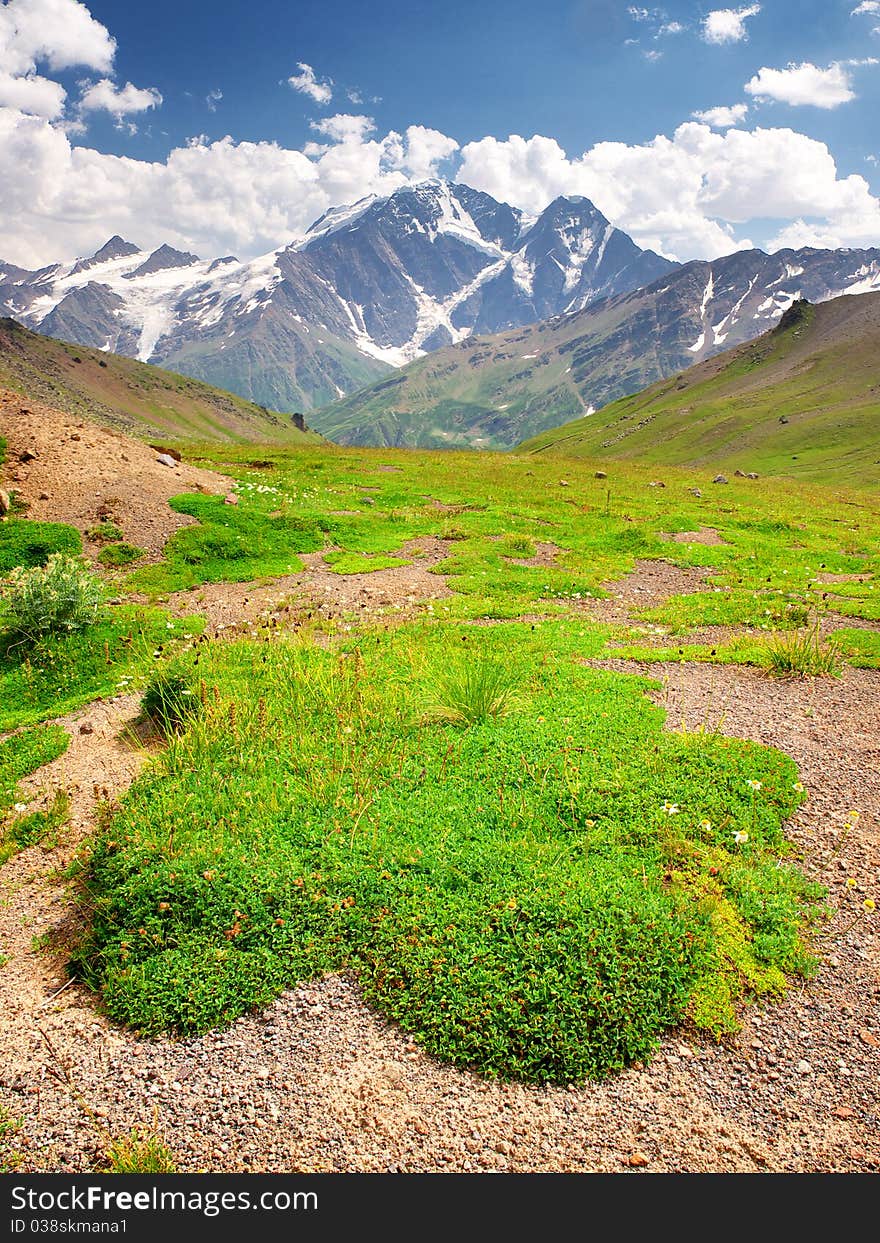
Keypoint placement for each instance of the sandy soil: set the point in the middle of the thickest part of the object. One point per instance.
(80, 471)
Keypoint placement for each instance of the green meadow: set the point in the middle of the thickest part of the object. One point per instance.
(522, 866)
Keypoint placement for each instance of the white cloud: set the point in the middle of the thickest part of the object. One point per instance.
(426, 149)
(61, 33)
(39, 96)
(212, 99)
(105, 96)
(723, 117)
(345, 128)
(870, 7)
(806, 84)
(320, 90)
(728, 25)
(686, 195)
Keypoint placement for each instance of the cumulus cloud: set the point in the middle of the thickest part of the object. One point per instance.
(40, 96)
(345, 128)
(105, 96)
(212, 99)
(723, 117)
(869, 7)
(62, 33)
(805, 84)
(687, 195)
(728, 25)
(320, 90)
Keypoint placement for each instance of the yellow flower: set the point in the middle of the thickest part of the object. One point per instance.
(869, 904)
(850, 882)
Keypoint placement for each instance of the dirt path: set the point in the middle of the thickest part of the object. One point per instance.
(319, 1082)
(399, 591)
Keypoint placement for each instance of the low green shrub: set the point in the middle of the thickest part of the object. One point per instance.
(106, 533)
(61, 597)
(116, 555)
(28, 544)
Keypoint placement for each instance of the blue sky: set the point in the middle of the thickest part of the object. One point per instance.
(206, 101)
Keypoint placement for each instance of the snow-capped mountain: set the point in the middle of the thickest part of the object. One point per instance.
(494, 392)
(369, 286)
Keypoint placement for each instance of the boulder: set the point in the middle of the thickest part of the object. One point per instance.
(695, 492)
(752, 475)
(4, 503)
(164, 460)
(720, 479)
(600, 474)
(656, 483)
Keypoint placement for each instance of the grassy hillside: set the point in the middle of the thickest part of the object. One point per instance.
(803, 400)
(133, 397)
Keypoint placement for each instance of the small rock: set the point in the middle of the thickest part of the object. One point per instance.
(656, 483)
(4, 502)
(600, 474)
(868, 1037)
(844, 1111)
(87, 728)
(27, 456)
(720, 479)
(752, 475)
(564, 483)
(637, 1160)
(163, 459)
(231, 499)
(75, 436)
(739, 474)
(44, 496)
(804, 1067)
(695, 492)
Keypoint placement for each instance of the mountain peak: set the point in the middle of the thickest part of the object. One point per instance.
(115, 247)
(162, 259)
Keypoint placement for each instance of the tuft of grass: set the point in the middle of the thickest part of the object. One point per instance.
(117, 555)
(106, 532)
(474, 688)
(139, 1152)
(171, 700)
(802, 653)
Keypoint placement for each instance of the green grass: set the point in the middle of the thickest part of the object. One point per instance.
(25, 752)
(511, 891)
(231, 544)
(21, 754)
(64, 672)
(140, 1153)
(115, 556)
(466, 816)
(30, 544)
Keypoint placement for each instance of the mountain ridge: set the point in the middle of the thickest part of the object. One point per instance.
(496, 391)
(366, 288)
(802, 400)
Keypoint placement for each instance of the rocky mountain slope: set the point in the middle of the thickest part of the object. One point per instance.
(129, 396)
(802, 400)
(369, 287)
(493, 392)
